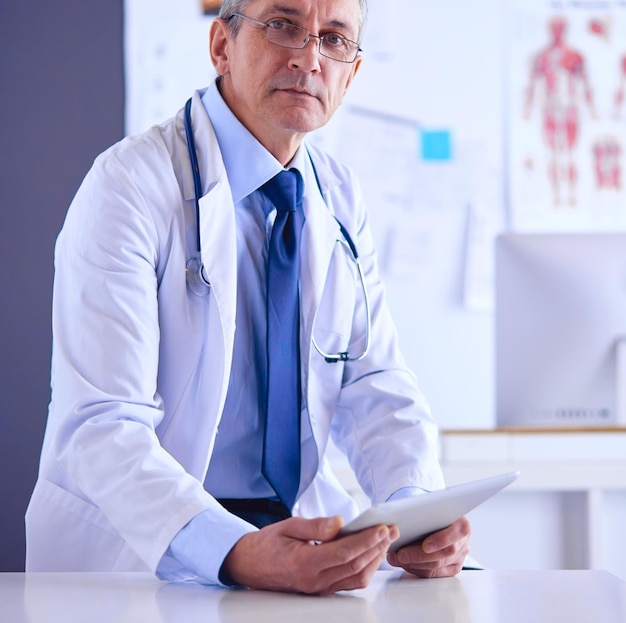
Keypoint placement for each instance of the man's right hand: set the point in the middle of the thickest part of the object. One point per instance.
(305, 556)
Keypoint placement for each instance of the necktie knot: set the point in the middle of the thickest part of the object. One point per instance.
(285, 190)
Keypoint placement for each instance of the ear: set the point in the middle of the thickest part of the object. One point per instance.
(355, 68)
(218, 46)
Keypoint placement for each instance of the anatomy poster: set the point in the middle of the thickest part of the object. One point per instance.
(567, 114)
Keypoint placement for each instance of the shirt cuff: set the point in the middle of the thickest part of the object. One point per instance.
(198, 551)
(406, 492)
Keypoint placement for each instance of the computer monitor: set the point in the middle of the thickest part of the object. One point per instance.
(560, 330)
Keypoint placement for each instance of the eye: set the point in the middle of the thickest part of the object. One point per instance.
(335, 40)
(278, 24)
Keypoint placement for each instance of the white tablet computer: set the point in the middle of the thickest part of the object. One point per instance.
(418, 516)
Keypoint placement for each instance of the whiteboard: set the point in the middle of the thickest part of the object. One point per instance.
(432, 125)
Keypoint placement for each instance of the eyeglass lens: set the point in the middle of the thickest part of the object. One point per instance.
(293, 36)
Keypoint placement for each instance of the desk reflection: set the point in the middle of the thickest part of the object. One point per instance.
(400, 598)
(178, 603)
(471, 597)
(129, 598)
(407, 598)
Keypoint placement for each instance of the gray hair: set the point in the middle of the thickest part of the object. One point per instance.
(229, 7)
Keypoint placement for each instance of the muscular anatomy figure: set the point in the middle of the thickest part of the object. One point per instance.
(560, 72)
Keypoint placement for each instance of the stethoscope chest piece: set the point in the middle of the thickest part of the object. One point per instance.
(194, 273)
(194, 270)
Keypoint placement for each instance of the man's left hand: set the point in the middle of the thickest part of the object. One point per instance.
(440, 554)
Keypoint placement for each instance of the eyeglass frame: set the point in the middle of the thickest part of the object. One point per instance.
(309, 34)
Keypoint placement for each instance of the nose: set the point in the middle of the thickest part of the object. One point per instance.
(307, 58)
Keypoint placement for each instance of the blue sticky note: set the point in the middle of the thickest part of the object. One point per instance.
(436, 145)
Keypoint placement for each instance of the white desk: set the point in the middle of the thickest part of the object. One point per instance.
(473, 596)
(584, 467)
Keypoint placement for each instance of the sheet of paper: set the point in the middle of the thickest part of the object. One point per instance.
(166, 58)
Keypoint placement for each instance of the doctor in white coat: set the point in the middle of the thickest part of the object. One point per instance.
(142, 364)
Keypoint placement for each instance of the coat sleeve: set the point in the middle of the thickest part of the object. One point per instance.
(382, 421)
(106, 407)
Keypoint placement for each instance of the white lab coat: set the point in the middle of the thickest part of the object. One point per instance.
(141, 365)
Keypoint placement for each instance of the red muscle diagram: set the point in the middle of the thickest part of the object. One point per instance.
(606, 157)
(559, 78)
(621, 89)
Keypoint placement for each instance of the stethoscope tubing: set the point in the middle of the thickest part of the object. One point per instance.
(194, 269)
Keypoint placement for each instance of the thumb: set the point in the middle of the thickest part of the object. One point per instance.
(319, 529)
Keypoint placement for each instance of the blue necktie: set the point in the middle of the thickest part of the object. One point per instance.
(281, 446)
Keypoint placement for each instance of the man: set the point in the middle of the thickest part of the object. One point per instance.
(154, 455)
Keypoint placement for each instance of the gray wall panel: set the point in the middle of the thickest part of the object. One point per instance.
(61, 103)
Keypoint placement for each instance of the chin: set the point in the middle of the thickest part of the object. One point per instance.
(302, 123)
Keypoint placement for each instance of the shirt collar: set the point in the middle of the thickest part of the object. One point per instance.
(238, 147)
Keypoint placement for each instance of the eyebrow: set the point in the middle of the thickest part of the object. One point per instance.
(289, 10)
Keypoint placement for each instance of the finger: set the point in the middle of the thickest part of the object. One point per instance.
(350, 562)
(349, 555)
(412, 558)
(446, 571)
(359, 572)
(320, 529)
(434, 546)
(442, 539)
(346, 549)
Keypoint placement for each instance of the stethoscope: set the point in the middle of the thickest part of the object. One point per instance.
(196, 276)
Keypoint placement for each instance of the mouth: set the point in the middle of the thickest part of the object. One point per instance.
(297, 91)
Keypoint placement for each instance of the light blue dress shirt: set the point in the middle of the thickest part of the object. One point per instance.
(235, 468)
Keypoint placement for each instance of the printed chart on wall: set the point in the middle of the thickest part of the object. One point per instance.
(567, 114)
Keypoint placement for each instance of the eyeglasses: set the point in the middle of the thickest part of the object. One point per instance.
(288, 35)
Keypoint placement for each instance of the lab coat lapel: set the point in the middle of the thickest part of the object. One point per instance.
(319, 237)
(219, 254)
(321, 275)
(217, 233)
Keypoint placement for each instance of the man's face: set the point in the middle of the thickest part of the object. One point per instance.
(279, 93)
